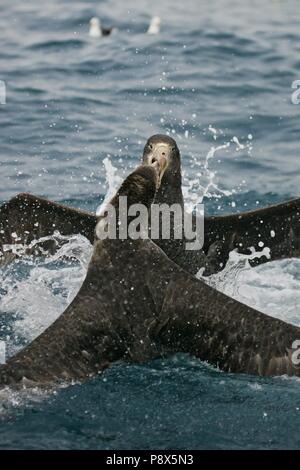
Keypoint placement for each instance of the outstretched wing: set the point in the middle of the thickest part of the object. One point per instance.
(109, 319)
(27, 217)
(276, 228)
(81, 342)
(136, 304)
(110, 316)
(199, 320)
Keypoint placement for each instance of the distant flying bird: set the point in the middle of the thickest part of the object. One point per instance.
(154, 27)
(96, 30)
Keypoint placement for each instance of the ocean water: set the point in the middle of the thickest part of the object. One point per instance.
(78, 111)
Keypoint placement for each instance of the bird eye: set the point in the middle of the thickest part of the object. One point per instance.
(150, 146)
(173, 149)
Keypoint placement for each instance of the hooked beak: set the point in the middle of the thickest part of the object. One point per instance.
(159, 158)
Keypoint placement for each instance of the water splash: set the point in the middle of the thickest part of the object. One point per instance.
(15, 399)
(113, 181)
(35, 291)
(205, 183)
(272, 288)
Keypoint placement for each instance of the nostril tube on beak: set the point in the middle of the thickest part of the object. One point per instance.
(158, 158)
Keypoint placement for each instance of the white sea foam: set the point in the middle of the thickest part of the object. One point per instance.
(49, 284)
(273, 288)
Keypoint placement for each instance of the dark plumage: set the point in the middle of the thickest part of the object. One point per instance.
(137, 303)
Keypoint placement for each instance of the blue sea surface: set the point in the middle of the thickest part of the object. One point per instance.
(218, 78)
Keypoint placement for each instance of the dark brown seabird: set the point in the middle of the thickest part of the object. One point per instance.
(140, 300)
